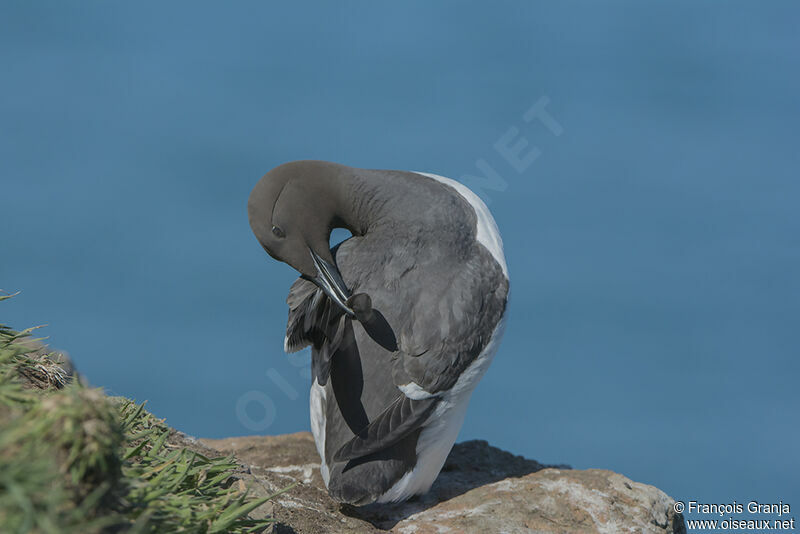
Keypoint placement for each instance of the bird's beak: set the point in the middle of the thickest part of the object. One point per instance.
(330, 281)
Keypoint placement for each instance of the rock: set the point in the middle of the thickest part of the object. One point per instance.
(481, 489)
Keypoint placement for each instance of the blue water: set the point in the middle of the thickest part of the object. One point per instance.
(653, 244)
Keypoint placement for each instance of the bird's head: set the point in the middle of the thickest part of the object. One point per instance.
(292, 211)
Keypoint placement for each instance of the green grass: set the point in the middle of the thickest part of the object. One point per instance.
(73, 460)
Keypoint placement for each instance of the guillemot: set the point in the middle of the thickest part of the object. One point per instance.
(404, 317)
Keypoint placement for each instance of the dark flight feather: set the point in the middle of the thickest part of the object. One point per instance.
(314, 320)
(397, 421)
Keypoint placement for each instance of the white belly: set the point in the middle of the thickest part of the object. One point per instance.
(317, 405)
(441, 430)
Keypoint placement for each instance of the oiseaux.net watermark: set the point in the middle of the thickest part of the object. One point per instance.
(751, 516)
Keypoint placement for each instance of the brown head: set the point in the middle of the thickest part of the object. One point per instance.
(292, 211)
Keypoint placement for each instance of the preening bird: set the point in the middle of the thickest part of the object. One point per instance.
(403, 318)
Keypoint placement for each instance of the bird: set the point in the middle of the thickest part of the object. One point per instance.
(403, 317)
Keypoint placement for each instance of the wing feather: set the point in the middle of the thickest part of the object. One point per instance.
(314, 320)
(397, 421)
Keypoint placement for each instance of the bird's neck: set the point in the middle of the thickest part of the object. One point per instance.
(335, 196)
(354, 201)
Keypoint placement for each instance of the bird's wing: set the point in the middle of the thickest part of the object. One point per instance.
(314, 320)
(399, 419)
(446, 330)
(450, 326)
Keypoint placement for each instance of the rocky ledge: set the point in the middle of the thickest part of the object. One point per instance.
(481, 489)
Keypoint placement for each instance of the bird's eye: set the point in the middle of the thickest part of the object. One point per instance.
(277, 232)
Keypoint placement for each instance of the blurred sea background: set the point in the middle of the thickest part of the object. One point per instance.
(653, 244)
